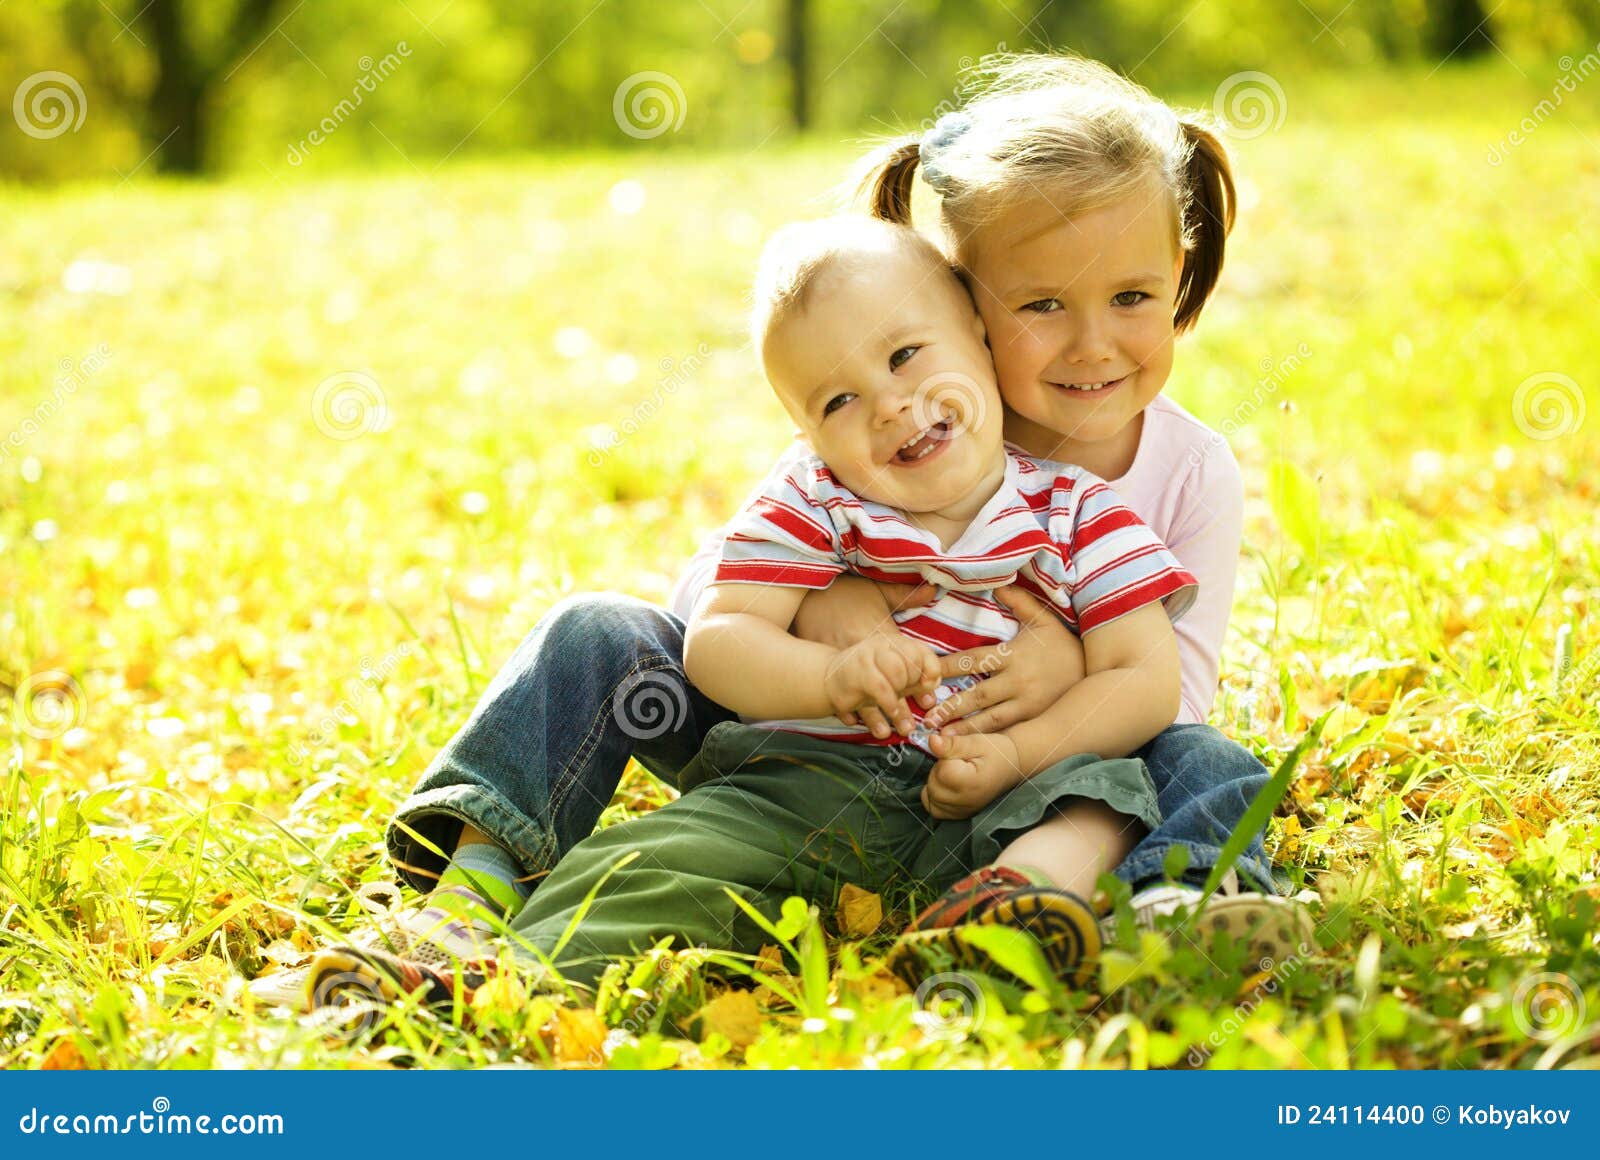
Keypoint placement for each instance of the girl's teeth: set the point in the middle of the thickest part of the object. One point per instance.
(1089, 386)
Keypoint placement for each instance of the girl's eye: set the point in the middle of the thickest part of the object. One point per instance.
(1043, 306)
(1136, 296)
(835, 403)
(902, 356)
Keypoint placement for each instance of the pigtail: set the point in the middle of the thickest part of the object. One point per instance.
(886, 187)
(1209, 179)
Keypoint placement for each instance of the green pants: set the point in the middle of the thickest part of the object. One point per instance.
(774, 814)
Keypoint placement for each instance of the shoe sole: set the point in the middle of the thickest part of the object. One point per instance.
(1273, 932)
(345, 976)
(1064, 926)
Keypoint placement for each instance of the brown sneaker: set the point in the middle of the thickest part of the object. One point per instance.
(1063, 924)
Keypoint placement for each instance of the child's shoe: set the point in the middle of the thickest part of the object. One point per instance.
(353, 976)
(1274, 929)
(1063, 924)
(422, 934)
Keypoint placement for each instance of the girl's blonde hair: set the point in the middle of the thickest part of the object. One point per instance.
(1074, 131)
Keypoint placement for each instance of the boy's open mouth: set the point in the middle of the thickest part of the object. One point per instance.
(1089, 390)
(924, 445)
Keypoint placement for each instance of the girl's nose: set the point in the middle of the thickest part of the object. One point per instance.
(1089, 342)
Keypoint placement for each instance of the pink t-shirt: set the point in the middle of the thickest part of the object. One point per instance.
(1186, 485)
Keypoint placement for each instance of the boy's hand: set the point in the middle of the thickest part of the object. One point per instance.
(881, 672)
(972, 770)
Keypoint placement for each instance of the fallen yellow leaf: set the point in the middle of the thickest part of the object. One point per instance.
(860, 911)
(580, 1036)
(64, 1056)
(734, 1015)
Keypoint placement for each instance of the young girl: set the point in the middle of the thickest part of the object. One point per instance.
(1090, 222)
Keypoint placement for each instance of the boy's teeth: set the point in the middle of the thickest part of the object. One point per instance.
(929, 440)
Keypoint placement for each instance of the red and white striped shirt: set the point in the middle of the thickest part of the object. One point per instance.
(1055, 529)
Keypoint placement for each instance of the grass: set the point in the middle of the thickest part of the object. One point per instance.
(233, 639)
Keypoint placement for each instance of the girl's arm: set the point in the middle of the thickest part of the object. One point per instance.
(1129, 694)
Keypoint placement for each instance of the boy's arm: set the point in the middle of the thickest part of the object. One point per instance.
(738, 652)
(1129, 693)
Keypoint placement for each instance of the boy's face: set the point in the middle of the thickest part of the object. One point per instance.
(1079, 312)
(886, 374)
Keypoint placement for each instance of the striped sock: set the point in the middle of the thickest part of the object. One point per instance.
(479, 885)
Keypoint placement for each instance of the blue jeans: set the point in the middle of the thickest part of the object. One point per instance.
(600, 679)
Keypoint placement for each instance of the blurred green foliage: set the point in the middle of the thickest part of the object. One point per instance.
(323, 85)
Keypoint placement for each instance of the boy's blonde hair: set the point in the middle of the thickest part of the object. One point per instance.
(796, 258)
(1077, 133)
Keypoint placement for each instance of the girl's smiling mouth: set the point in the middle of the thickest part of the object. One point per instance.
(1093, 390)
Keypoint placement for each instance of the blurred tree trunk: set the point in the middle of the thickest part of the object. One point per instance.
(1459, 28)
(178, 110)
(796, 50)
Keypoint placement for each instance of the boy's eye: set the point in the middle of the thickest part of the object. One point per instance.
(835, 403)
(902, 356)
(1043, 306)
(1129, 298)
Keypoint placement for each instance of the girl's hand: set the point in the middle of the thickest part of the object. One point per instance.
(849, 611)
(970, 773)
(1027, 674)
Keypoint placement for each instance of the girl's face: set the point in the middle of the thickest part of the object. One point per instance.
(1079, 316)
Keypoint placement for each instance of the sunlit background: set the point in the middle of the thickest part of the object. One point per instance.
(339, 341)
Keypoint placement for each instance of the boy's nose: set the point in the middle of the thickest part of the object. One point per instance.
(891, 404)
